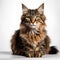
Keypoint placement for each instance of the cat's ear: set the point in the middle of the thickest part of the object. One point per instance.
(41, 8)
(24, 8)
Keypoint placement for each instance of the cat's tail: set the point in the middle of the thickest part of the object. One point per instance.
(53, 50)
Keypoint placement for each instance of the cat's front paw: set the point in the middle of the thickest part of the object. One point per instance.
(38, 54)
(30, 54)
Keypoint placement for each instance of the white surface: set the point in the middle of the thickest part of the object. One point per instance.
(8, 55)
(10, 13)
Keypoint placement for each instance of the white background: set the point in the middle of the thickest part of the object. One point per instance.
(11, 11)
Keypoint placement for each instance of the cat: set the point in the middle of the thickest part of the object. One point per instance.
(31, 40)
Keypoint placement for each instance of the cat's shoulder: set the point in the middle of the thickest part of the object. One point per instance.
(17, 32)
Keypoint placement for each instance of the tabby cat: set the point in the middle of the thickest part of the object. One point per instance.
(31, 40)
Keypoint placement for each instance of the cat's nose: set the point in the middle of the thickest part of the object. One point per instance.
(33, 21)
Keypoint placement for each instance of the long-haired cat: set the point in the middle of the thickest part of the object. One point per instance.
(31, 40)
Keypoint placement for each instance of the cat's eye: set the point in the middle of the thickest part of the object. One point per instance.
(28, 19)
(37, 19)
(41, 21)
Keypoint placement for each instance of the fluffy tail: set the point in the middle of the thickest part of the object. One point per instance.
(53, 50)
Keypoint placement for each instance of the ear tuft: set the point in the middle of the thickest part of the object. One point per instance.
(42, 5)
(41, 8)
(24, 8)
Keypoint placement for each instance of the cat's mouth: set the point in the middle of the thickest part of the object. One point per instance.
(33, 26)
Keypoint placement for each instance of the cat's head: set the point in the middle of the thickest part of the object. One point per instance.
(33, 18)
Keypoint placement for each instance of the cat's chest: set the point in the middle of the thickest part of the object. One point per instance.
(32, 38)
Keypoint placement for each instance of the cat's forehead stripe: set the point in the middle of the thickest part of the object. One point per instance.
(32, 12)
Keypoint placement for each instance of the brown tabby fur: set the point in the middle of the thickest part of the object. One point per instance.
(29, 43)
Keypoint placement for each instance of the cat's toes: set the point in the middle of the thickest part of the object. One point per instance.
(39, 55)
(30, 54)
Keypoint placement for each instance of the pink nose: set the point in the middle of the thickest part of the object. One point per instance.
(33, 21)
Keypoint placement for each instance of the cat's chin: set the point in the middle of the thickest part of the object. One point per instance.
(34, 31)
(33, 26)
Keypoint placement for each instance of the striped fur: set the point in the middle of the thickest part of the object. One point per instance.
(31, 39)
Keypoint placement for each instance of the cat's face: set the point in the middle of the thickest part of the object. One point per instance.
(33, 18)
